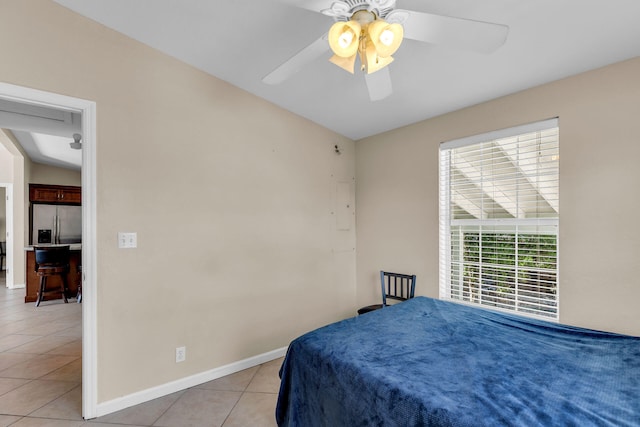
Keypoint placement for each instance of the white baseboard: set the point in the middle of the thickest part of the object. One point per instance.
(184, 383)
(17, 286)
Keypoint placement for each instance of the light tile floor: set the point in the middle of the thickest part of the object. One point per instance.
(41, 376)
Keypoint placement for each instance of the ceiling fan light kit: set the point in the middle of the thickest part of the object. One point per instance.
(365, 35)
(373, 30)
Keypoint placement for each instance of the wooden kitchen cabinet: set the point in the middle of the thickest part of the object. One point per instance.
(64, 194)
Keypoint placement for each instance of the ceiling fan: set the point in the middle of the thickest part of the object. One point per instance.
(372, 30)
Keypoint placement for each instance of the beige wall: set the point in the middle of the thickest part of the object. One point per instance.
(45, 174)
(397, 195)
(233, 200)
(6, 165)
(15, 166)
(6, 177)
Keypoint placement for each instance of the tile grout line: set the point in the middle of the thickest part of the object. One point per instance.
(170, 406)
(241, 394)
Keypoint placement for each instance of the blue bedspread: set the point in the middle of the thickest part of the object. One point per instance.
(427, 362)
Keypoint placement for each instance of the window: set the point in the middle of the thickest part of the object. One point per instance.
(499, 219)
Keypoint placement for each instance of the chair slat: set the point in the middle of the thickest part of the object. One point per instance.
(395, 286)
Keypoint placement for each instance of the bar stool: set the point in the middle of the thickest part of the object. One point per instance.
(52, 261)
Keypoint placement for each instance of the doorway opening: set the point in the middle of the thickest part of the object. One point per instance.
(87, 111)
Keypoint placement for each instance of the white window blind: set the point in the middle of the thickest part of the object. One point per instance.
(499, 219)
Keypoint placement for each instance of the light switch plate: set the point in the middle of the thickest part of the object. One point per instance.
(127, 240)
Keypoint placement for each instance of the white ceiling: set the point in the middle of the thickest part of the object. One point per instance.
(43, 132)
(241, 41)
(50, 149)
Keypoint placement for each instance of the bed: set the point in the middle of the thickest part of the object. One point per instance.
(427, 362)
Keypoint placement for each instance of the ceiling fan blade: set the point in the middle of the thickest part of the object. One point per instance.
(297, 61)
(313, 5)
(466, 34)
(379, 84)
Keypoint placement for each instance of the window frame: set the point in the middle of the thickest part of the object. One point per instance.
(446, 220)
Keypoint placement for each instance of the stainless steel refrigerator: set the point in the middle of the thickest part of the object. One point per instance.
(56, 224)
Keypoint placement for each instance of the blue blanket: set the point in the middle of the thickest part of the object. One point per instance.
(427, 362)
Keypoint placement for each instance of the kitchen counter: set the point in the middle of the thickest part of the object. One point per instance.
(33, 281)
(72, 246)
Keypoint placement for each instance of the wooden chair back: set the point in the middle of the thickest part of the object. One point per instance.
(397, 286)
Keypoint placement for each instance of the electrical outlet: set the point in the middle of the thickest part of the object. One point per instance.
(181, 354)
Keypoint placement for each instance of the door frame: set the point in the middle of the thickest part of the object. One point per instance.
(87, 109)
(8, 262)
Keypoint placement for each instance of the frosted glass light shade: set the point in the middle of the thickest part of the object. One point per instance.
(344, 38)
(374, 61)
(385, 37)
(347, 64)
